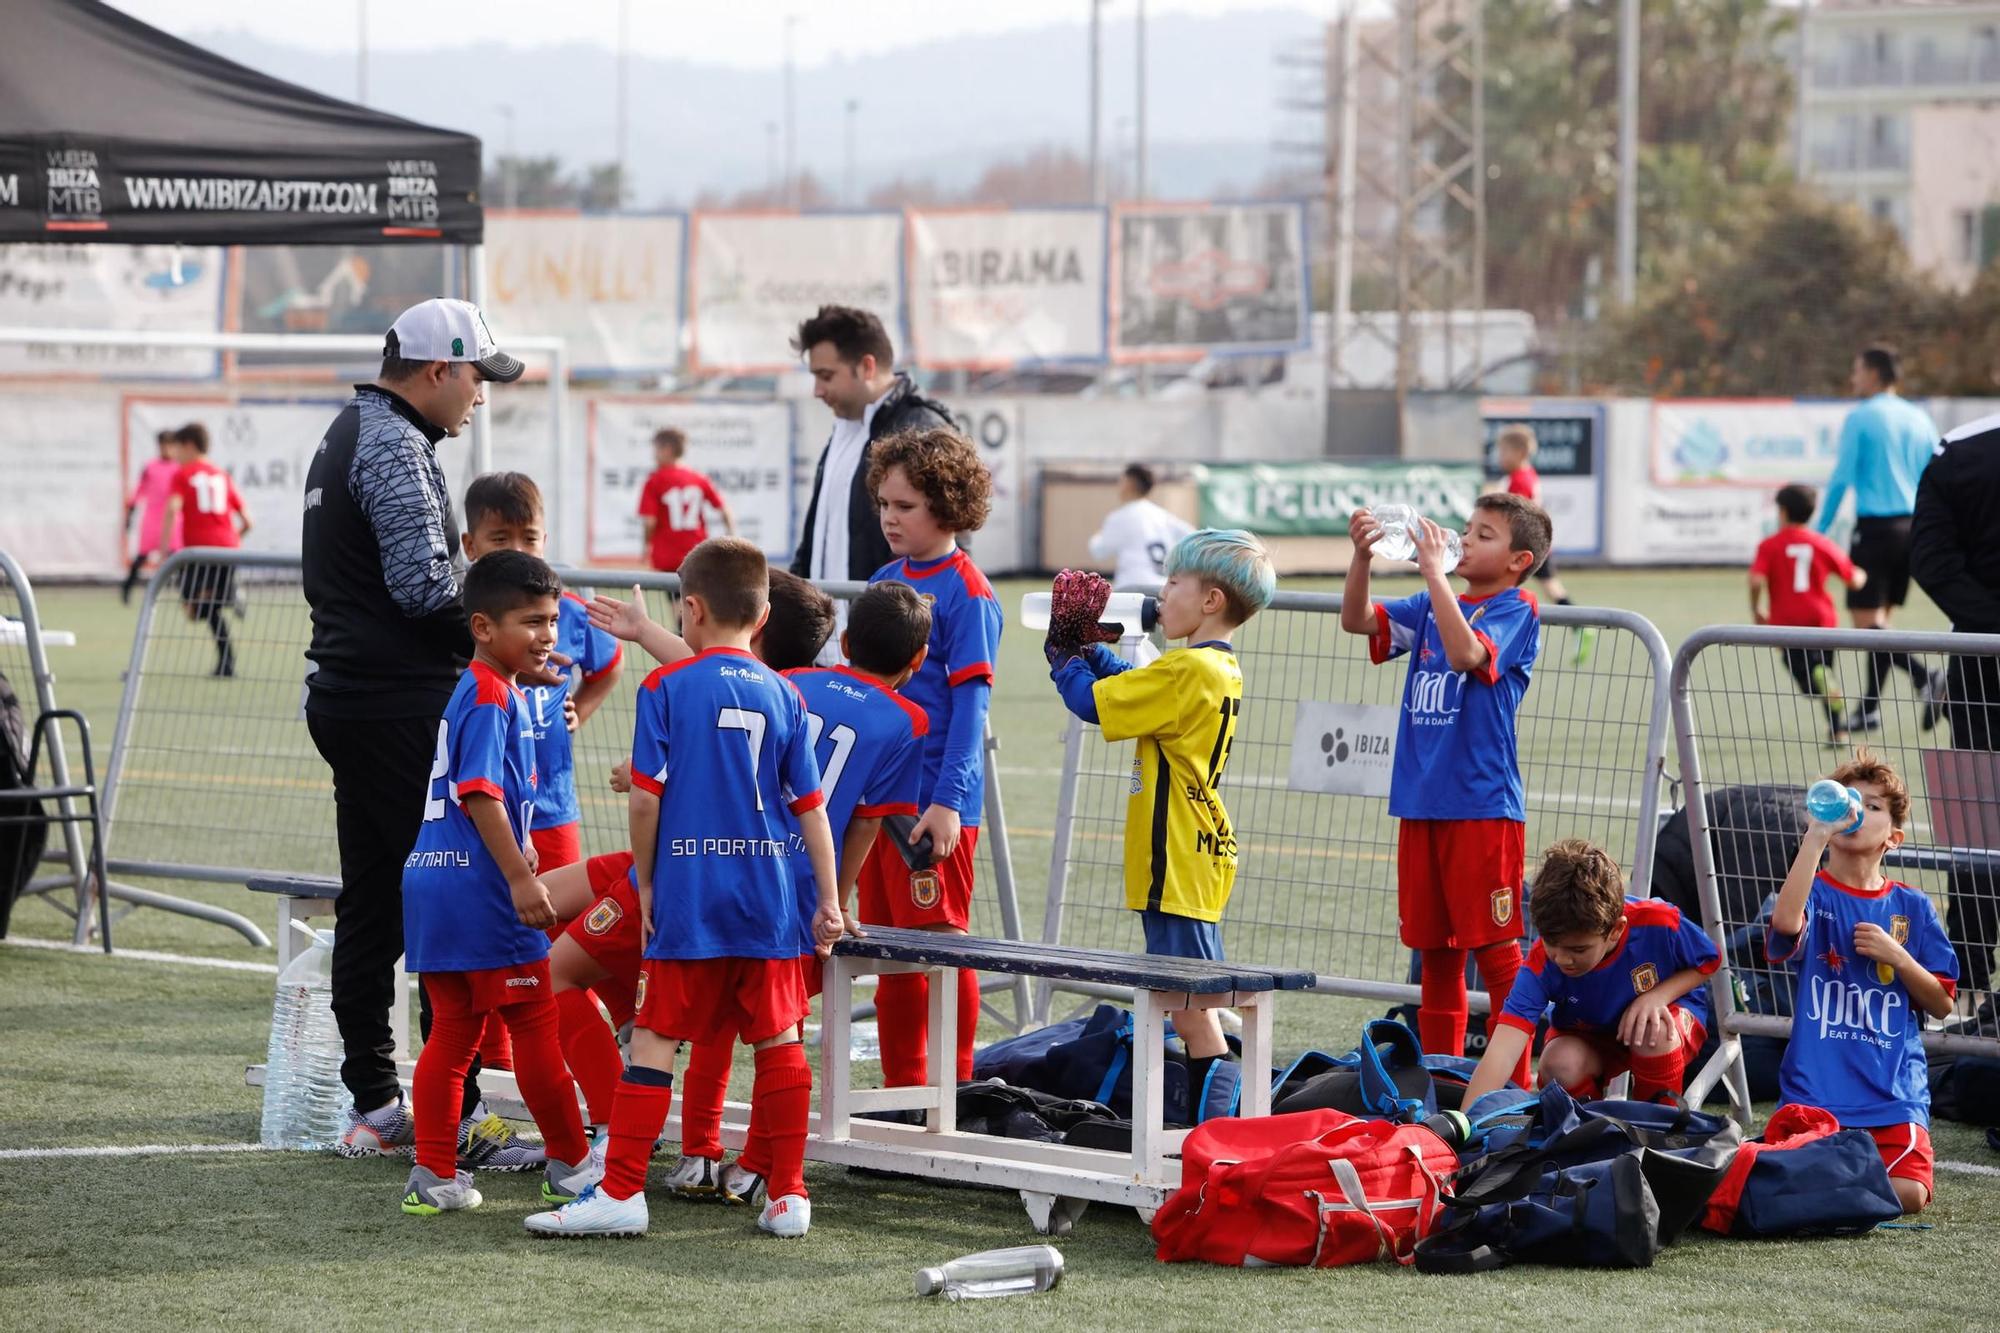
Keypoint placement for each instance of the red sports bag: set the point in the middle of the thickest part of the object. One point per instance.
(1310, 1189)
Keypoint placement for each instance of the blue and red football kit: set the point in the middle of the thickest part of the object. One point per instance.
(591, 652)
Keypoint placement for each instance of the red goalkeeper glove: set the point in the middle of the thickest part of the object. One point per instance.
(1076, 604)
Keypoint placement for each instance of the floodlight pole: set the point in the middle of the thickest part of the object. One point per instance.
(624, 85)
(361, 51)
(1096, 101)
(1139, 112)
(1628, 150)
(791, 119)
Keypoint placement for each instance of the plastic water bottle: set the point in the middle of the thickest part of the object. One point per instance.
(1127, 613)
(1830, 803)
(1399, 542)
(305, 1103)
(1011, 1272)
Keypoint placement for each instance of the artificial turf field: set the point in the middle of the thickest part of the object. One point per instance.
(102, 1053)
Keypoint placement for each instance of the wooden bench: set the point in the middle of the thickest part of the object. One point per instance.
(300, 899)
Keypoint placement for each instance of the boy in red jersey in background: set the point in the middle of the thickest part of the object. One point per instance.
(474, 913)
(1791, 568)
(208, 511)
(675, 502)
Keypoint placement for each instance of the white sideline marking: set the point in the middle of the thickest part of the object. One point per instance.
(148, 956)
(141, 1150)
(1968, 1168)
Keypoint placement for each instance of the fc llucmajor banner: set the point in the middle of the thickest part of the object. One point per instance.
(1740, 442)
(1198, 278)
(610, 286)
(992, 288)
(744, 448)
(126, 288)
(1319, 499)
(754, 276)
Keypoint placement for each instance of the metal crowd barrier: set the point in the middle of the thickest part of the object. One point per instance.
(1315, 883)
(1742, 721)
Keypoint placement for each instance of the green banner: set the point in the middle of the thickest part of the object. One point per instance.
(1317, 499)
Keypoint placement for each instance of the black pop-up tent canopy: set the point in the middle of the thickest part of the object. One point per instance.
(114, 131)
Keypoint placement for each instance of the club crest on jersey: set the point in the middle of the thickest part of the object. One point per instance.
(1503, 906)
(1477, 615)
(925, 889)
(1644, 978)
(639, 992)
(928, 598)
(1899, 929)
(603, 917)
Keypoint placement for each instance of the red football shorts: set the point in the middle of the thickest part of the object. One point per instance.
(1615, 1057)
(467, 994)
(1458, 881)
(1906, 1151)
(721, 999)
(892, 894)
(608, 930)
(559, 846)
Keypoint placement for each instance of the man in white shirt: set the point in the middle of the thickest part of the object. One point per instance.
(1137, 535)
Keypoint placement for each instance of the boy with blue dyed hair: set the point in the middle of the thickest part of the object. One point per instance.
(1180, 848)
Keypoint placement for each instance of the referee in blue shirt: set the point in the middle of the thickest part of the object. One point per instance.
(1885, 444)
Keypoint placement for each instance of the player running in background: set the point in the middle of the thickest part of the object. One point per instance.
(207, 510)
(675, 503)
(1871, 959)
(148, 502)
(1622, 981)
(473, 911)
(930, 486)
(1456, 787)
(1180, 849)
(503, 512)
(721, 750)
(1791, 568)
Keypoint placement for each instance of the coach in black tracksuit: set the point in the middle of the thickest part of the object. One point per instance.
(1955, 557)
(389, 638)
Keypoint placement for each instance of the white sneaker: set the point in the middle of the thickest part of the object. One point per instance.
(380, 1133)
(696, 1178)
(788, 1216)
(427, 1194)
(593, 1213)
(562, 1183)
(740, 1184)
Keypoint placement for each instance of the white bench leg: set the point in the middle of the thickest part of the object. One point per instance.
(943, 1118)
(1148, 1085)
(1256, 1013)
(836, 1008)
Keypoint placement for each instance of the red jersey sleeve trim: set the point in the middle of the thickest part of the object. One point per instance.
(1950, 985)
(1380, 645)
(1709, 968)
(478, 787)
(647, 783)
(617, 656)
(1653, 912)
(1489, 670)
(812, 800)
(885, 809)
(973, 672)
(1515, 1021)
(489, 686)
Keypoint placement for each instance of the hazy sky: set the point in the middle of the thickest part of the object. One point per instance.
(728, 32)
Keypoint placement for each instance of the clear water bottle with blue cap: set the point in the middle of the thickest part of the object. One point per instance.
(1830, 803)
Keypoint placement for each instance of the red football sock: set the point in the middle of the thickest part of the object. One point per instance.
(1499, 964)
(703, 1086)
(544, 1079)
(590, 1051)
(495, 1050)
(440, 1084)
(1441, 1011)
(903, 1023)
(780, 1103)
(1658, 1076)
(968, 1019)
(636, 1119)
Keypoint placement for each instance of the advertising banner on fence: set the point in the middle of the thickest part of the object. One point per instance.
(755, 276)
(994, 425)
(1343, 749)
(1569, 457)
(1744, 442)
(61, 504)
(1208, 278)
(999, 288)
(611, 286)
(265, 445)
(124, 288)
(1318, 499)
(351, 289)
(745, 448)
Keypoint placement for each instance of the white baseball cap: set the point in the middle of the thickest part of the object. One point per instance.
(443, 330)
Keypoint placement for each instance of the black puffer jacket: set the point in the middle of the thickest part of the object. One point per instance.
(903, 408)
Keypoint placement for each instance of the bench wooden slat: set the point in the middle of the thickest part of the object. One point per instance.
(1283, 978)
(294, 886)
(1057, 962)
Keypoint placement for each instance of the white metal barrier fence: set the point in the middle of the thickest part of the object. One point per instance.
(1751, 738)
(1316, 885)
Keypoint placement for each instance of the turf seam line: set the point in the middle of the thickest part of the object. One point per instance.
(148, 956)
(134, 1150)
(1969, 1168)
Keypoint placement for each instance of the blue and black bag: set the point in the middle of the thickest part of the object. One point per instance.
(1386, 1077)
(1090, 1059)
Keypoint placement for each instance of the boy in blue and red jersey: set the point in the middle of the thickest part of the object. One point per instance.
(1461, 840)
(503, 512)
(1872, 958)
(929, 486)
(1621, 980)
(721, 751)
(474, 913)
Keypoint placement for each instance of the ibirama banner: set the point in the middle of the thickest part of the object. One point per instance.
(745, 448)
(610, 286)
(992, 289)
(1200, 278)
(756, 276)
(126, 288)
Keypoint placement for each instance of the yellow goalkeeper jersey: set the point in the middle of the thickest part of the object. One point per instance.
(1180, 849)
